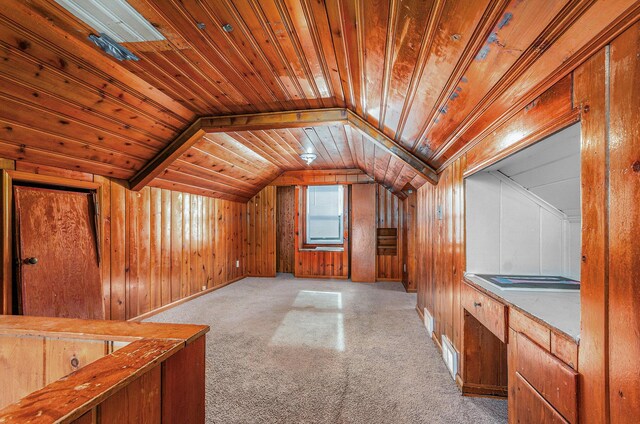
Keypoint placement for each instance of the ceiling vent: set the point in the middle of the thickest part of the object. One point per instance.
(116, 19)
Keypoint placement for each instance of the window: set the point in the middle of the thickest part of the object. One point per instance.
(324, 210)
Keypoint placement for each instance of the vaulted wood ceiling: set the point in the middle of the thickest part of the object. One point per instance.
(433, 76)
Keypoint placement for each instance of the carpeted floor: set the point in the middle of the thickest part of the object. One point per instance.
(284, 350)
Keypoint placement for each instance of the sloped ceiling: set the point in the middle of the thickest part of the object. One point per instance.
(550, 169)
(430, 75)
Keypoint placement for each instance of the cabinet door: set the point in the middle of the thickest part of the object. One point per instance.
(530, 407)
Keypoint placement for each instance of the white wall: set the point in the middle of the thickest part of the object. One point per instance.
(510, 230)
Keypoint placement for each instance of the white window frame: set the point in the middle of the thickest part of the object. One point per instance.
(336, 241)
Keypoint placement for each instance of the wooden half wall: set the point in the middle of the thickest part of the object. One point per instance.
(158, 246)
(603, 93)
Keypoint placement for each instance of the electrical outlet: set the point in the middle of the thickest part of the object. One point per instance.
(204, 288)
(237, 264)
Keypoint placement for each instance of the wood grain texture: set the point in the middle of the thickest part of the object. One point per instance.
(144, 242)
(57, 228)
(183, 385)
(555, 381)
(363, 233)
(624, 222)
(390, 214)
(123, 386)
(590, 95)
(261, 233)
(531, 407)
(285, 229)
(421, 79)
(315, 263)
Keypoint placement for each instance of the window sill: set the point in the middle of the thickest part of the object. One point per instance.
(321, 249)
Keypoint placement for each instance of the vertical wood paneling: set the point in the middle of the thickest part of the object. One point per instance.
(166, 250)
(390, 215)
(118, 251)
(261, 239)
(590, 94)
(159, 246)
(285, 243)
(155, 248)
(363, 233)
(624, 227)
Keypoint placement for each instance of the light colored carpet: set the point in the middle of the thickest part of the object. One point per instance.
(285, 350)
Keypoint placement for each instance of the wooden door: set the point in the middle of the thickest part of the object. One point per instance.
(58, 267)
(363, 229)
(285, 220)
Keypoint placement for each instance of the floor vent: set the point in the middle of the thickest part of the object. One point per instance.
(429, 321)
(450, 356)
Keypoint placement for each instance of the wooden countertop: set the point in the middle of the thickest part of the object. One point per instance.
(559, 311)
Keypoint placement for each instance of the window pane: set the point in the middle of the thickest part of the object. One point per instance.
(324, 214)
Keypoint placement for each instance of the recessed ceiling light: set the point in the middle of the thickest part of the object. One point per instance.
(115, 18)
(110, 47)
(201, 25)
(227, 27)
(308, 157)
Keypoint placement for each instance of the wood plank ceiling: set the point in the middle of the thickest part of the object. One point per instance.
(435, 76)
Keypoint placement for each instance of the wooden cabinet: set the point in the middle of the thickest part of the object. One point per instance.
(543, 388)
(506, 351)
(491, 313)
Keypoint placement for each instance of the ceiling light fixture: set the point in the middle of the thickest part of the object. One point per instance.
(227, 27)
(115, 18)
(308, 157)
(110, 47)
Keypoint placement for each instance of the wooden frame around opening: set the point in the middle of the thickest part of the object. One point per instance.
(7, 179)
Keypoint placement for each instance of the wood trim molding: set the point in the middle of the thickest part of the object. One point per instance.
(167, 156)
(391, 146)
(27, 177)
(275, 120)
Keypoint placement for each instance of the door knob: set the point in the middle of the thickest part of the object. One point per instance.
(31, 261)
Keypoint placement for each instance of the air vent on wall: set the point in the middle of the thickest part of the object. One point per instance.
(115, 18)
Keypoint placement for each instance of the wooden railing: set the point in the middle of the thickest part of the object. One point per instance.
(55, 370)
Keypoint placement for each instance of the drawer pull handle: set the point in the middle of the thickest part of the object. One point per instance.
(477, 304)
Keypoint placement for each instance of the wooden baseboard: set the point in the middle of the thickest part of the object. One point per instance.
(183, 300)
(411, 290)
(261, 275)
(389, 280)
(420, 313)
(324, 277)
(481, 390)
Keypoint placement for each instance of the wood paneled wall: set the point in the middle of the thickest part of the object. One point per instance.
(410, 243)
(390, 211)
(605, 93)
(439, 256)
(160, 246)
(318, 264)
(261, 233)
(285, 229)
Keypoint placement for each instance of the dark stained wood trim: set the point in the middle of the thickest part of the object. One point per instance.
(273, 120)
(391, 146)
(167, 156)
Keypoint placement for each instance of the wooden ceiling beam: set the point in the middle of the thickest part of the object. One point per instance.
(167, 156)
(386, 143)
(275, 120)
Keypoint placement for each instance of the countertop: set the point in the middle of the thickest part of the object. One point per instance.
(559, 310)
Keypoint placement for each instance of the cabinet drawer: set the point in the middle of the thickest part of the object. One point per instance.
(554, 380)
(530, 407)
(491, 313)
